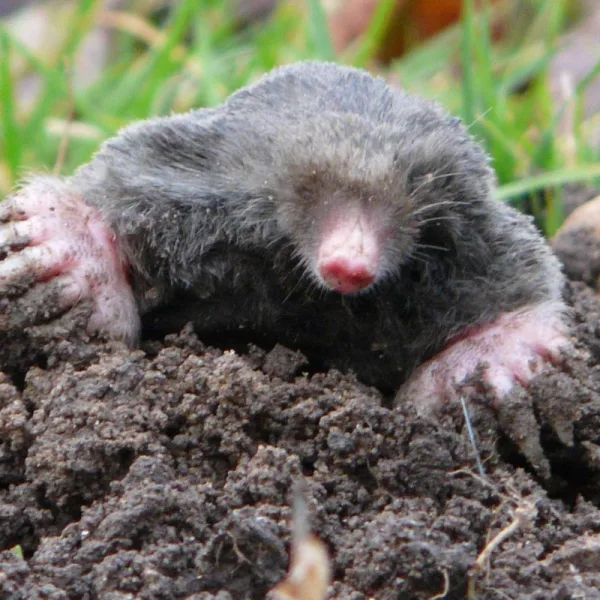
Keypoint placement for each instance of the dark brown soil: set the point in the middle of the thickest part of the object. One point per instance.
(167, 472)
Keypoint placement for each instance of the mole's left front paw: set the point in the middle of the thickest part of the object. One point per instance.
(512, 350)
(55, 253)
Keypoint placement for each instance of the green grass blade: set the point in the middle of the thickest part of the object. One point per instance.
(589, 78)
(507, 152)
(546, 147)
(80, 26)
(555, 211)
(375, 34)
(545, 23)
(520, 74)
(529, 185)
(467, 47)
(428, 59)
(319, 31)
(10, 126)
(54, 88)
(134, 95)
(486, 80)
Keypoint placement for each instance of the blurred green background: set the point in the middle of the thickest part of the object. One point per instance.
(523, 74)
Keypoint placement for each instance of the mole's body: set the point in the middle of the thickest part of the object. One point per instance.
(319, 208)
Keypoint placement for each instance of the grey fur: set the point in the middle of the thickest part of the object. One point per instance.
(218, 213)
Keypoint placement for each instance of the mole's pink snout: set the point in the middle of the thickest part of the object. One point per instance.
(348, 256)
(346, 275)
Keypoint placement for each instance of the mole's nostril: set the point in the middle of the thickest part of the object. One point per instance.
(346, 276)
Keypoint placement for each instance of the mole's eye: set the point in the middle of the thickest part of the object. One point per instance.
(419, 182)
(455, 122)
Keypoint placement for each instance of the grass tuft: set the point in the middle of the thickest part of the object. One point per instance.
(196, 55)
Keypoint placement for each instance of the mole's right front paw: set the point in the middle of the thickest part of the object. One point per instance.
(510, 351)
(56, 251)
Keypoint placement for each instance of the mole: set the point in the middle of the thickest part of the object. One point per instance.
(319, 208)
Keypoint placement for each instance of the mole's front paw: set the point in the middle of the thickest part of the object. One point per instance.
(511, 350)
(56, 251)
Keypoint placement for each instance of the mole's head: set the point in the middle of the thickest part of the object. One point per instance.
(360, 201)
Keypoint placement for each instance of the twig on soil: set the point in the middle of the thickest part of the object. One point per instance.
(523, 516)
(483, 480)
(524, 513)
(310, 570)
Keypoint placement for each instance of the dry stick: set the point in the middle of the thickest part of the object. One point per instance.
(523, 516)
(310, 570)
(76, 129)
(483, 480)
(524, 513)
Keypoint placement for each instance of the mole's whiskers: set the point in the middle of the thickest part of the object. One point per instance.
(430, 178)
